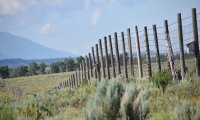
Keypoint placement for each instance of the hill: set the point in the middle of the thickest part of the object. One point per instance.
(18, 47)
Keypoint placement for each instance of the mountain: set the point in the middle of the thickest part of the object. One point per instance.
(12, 46)
(14, 63)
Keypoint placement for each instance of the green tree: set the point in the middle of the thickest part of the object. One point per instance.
(62, 66)
(42, 67)
(4, 71)
(70, 64)
(22, 71)
(79, 60)
(54, 67)
(33, 68)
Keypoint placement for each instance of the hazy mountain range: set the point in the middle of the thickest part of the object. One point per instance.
(12, 46)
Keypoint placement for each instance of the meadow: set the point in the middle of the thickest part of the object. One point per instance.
(108, 99)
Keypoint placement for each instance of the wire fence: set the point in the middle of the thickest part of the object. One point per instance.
(146, 64)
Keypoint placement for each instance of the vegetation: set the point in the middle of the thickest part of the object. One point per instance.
(115, 100)
(4, 71)
(69, 64)
(162, 79)
(108, 99)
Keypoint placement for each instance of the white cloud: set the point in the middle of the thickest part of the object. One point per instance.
(9, 7)
(47, 28)
(95, 17)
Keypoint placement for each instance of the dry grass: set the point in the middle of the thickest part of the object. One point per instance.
(38, 83)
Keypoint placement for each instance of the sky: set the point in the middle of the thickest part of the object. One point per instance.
(76, 25)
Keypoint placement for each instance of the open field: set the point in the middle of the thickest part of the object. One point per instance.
(72, 104)
(36, 84)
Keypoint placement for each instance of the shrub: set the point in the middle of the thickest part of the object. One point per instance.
(160, 116)
(185, 89)
(113, 100)
(161, 79)
(184, 111)
(6, 110)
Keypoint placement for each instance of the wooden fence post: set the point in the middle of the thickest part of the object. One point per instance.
(181, 46)
(74, 85)
(148, 58)
(84, 71)
(138, 53)
(88, 68)
(107, 58)
(90, 64)
(76, 78)
(112, 57)
(72, 81)
(68, 83)
(157, 48)
(170, 54)
(79, 77)
(94, 63)
(196, 40)
(130, 51)
(81, 67)
(102, 59)
(98, 62)
(124, 56)
(117, 54)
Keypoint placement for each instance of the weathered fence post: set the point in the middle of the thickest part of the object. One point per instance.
(138, 53)
(98, 62)
(81, 68)
(170, 52)
(72, 81)
(94, 63)
(117, 54)
(124, 56)
(84, 71)
(148, 58)
(68, 85)
(76, 78)
(181, 46)
(69, 82)
(107, 58)
(74, 85)
(196, 41)
(130, 51)
(88, 67)
(102, 59)
(112, 57)
(157, 48)
(90, 64)
(79, 76)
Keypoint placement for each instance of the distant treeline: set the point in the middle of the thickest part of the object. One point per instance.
(69, 64)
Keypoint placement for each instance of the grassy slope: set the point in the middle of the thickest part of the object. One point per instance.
(36, 84)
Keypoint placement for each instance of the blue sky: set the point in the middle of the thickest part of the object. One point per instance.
(76, 25)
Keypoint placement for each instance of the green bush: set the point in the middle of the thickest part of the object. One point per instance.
(162, 79)
(113, 100)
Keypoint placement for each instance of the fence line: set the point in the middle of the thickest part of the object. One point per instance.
(140, 52)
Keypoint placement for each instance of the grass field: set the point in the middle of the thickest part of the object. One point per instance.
(36, 84)
(89, 100)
